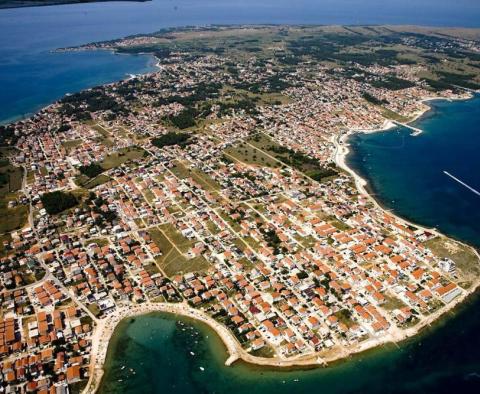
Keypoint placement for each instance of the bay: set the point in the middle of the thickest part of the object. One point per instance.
(152, 354)
(406, 173)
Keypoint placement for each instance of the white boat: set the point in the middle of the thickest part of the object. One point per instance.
(193, 354)
(202, 369)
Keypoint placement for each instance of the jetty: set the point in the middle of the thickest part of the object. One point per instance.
(416, 130)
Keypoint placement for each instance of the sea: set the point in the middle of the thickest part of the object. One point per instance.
(32, 75)
(406, 173)
(161, 353)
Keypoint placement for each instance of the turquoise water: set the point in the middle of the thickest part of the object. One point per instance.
(406, 172)
(151, 354)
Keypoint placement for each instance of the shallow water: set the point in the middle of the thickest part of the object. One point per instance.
(157, 348)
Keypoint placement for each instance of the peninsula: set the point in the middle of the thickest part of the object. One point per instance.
(216, 188)
(40, 3)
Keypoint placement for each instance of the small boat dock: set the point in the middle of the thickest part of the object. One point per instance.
(416, 131)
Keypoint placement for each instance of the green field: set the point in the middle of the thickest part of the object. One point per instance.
(247, 154)
(203, 179)
(171, 261)
(70, 144)
(11, 177)
(89, 183)
(123, 155)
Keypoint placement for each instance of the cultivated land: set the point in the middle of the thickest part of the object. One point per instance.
(216, 188)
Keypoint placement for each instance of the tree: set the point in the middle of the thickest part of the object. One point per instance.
(171, 138)
(58, 201)
(92, 170)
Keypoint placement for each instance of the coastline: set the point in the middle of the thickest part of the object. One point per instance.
(151, 66)
(105, 328)
(342, 151)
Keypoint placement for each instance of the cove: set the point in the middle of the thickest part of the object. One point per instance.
(153, 354)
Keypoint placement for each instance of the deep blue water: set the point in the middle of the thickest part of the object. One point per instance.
(31, 76)
(406, 172)
(40, 78)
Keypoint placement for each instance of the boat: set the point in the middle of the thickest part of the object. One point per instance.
(193, 354)
(123, 367)
(202, 369)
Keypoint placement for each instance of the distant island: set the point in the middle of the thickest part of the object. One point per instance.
(39, 3)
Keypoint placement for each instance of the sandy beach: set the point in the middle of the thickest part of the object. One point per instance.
(105, 328)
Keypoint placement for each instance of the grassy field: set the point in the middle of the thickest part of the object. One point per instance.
(171, 261)
(89, 183)
(394, 116)
(392, 303)
(231, 94)
(12, 218)
(122, 156)
(203, 179)
(12, 176)
(70, 144)
(99, 241)
(249, 155)
(104, 135)
(182, 243)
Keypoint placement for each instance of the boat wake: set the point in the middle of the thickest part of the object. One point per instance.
(462, 183)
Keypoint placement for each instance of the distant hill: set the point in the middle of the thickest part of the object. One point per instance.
(37, 3)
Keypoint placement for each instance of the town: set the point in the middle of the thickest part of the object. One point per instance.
(218, 184)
